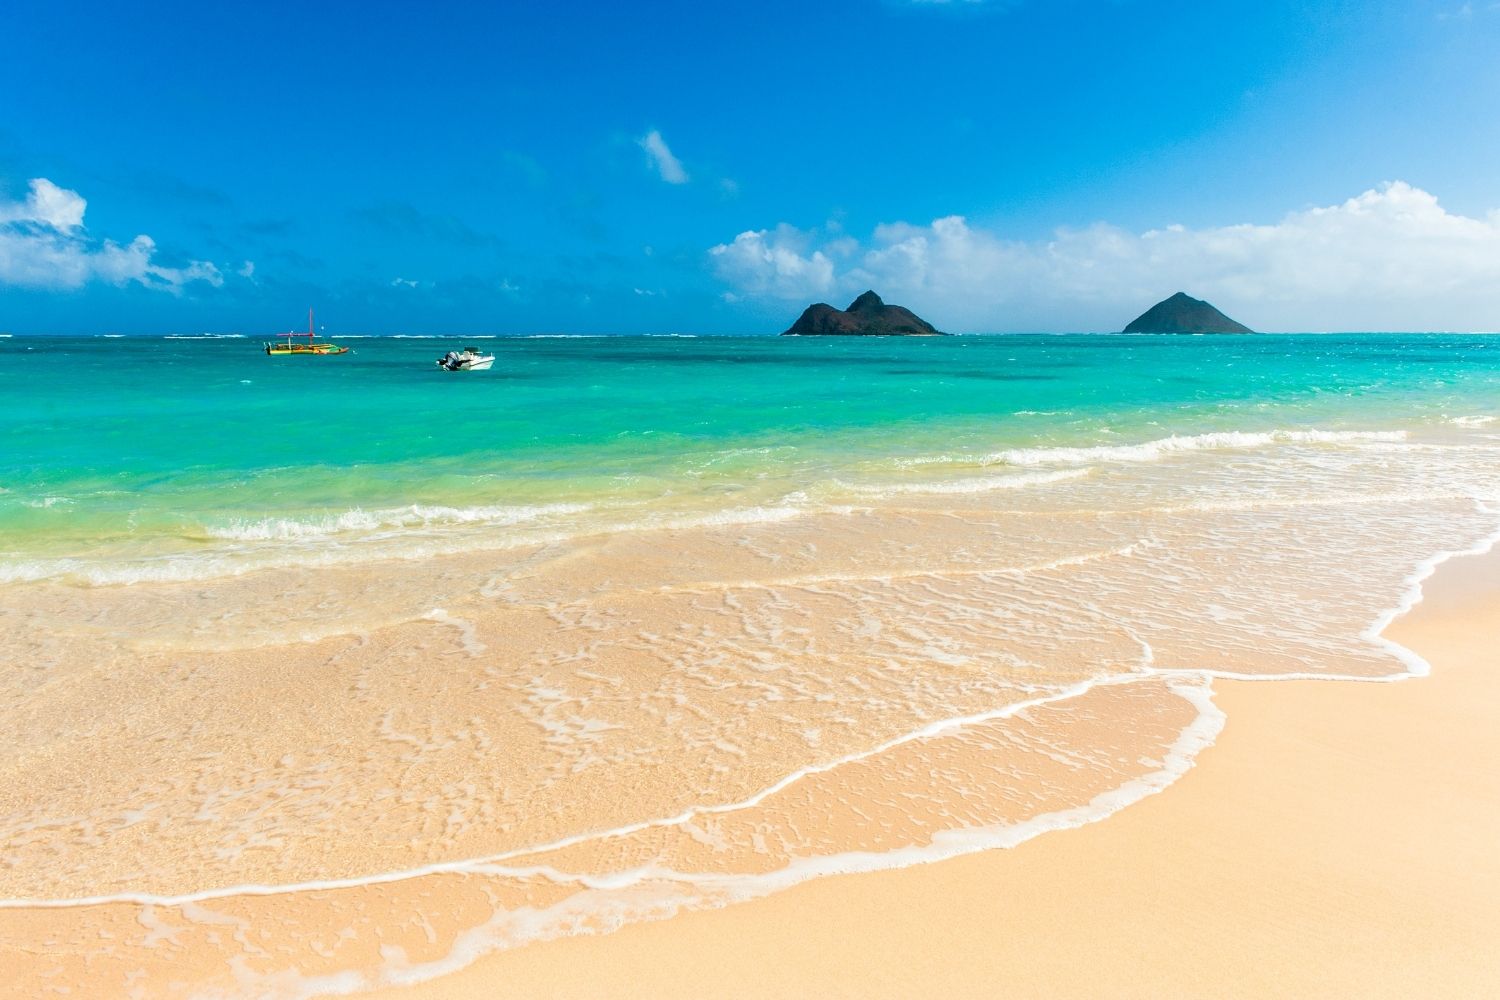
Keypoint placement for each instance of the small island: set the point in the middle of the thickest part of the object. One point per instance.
(1184, 314)
(867, 316)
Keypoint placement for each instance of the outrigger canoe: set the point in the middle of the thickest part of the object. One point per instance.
(278, 348)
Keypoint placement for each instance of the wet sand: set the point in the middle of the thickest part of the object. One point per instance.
(1338, 840)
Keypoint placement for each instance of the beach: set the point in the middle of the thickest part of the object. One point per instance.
(1336, 841)
(954, 653)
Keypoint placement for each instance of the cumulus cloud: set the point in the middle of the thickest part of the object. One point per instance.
(667, 166)
(46, 204)
(1388, 259)
(778, 263)
(43, 244)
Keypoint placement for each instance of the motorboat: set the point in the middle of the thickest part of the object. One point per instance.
(467, 360)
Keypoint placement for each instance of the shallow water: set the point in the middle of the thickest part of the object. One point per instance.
(445, 663)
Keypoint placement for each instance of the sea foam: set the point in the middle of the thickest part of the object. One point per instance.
(1151, 451)
(359, 520)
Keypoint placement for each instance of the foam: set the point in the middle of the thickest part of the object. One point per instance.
(1151, 451)
(42, 503)
(407, 533)
(415, 515)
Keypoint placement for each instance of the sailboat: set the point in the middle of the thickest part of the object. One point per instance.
(277, 348)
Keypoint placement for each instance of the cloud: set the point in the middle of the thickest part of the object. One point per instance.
(667, 165)
(48, 205)
(1388, 259)
(776, 263)
(43, 244)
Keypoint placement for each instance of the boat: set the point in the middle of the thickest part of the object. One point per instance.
(279, 348)
(467, 360)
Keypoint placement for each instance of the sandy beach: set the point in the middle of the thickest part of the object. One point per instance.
(1338, 840)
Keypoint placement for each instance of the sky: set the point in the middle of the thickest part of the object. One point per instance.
(570, 167)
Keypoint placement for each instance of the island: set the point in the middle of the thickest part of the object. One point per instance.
(867, 316)
(1184, 314)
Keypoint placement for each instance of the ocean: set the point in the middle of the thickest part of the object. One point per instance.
(627, 625)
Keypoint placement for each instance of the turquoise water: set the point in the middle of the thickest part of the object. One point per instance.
(162, 445)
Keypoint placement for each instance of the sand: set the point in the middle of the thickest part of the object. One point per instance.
(1338, 840)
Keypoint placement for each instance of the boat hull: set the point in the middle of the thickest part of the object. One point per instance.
(454, 362)
(282, 350)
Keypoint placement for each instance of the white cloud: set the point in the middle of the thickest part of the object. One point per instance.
(404, 283)
(1388, 259)
(43, 244)
(775, 263)
(667, 165)
(46, 204)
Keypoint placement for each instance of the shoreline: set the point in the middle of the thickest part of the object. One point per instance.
(1047, 582)
(1298, 783)
(1182, 757)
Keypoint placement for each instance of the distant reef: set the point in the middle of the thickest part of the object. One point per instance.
(1184, 314)
(867, 316)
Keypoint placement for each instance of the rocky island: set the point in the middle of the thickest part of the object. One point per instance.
(1184, 314)
(867, 316)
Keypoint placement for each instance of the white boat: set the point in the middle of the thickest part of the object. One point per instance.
(467, 360)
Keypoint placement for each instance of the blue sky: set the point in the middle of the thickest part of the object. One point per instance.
(591, 167)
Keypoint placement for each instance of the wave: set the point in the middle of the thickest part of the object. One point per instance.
(1475, 420)
(42, 503)
(414, 532)
(207, 336)
(296, 535)
(1150, 451)
(414, 516)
